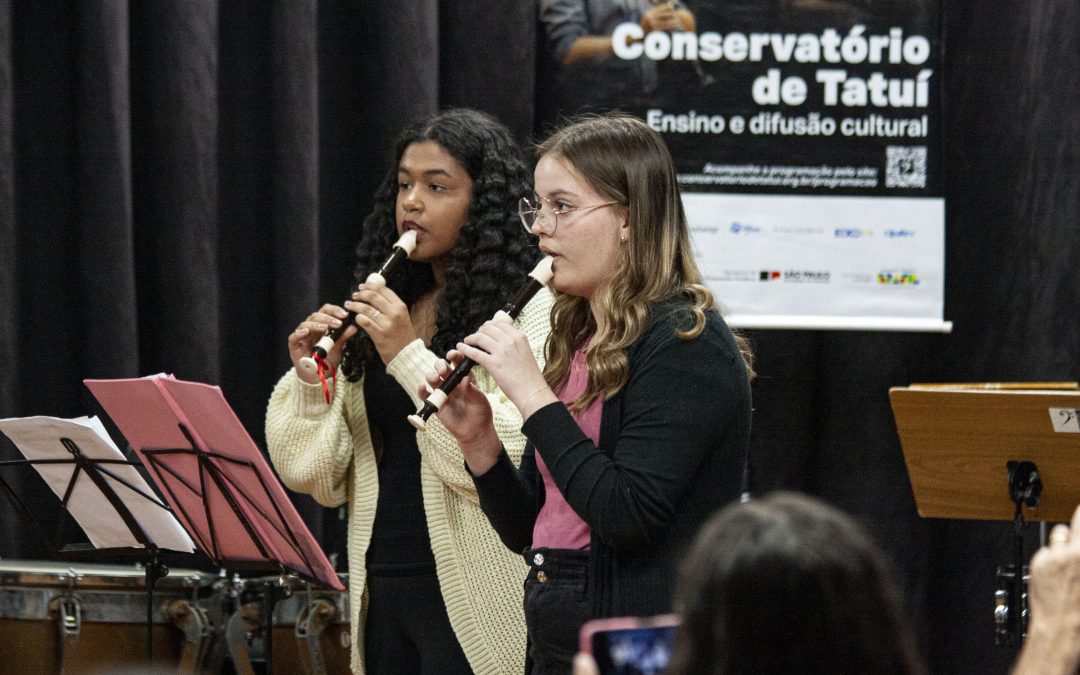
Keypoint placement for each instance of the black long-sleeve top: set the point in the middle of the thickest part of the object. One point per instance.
(672, 446)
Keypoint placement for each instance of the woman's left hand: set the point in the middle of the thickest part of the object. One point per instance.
(504, 352)
(382, 315)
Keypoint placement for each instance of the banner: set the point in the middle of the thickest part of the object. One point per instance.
(807, 137)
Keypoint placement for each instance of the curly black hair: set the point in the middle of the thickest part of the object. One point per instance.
(493, 253)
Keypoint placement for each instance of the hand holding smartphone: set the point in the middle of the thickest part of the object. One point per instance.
(630, 645)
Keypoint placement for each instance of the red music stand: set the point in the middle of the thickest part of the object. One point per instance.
(216, 480)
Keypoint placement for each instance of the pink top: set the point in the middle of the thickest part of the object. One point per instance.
(557, 525)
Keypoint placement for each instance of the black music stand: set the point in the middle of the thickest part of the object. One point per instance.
(994, 451)
(63, 451)
(216, 481)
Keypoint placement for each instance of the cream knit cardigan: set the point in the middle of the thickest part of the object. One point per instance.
(326, 451)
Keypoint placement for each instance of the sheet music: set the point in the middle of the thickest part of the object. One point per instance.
(38, 438)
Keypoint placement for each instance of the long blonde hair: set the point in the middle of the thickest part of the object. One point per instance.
(626, 161)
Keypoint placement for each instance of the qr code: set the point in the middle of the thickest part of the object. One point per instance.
(905, 166)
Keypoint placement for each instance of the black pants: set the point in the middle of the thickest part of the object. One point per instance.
(555, 608)
(407, 629)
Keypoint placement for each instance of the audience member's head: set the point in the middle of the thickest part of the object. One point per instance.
(788, 584)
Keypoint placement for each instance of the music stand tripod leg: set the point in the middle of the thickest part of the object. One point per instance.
(1025, 489)
(155, 569)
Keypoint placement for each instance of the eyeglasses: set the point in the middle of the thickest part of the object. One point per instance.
(547, 220)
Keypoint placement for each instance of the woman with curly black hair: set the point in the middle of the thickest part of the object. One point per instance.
(431, 588)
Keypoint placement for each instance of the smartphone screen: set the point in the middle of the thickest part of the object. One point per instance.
(630, 645)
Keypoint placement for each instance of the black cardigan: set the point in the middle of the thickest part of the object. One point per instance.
(672, 446)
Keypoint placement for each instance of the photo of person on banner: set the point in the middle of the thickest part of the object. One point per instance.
(586, 71)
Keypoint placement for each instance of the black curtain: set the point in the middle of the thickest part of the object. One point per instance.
(181, 182)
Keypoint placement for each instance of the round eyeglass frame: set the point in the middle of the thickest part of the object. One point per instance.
(531, 214)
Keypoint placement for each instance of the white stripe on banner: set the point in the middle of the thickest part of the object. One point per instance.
(888, 323)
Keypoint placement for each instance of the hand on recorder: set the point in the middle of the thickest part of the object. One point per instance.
(467, 415)
(303, 339)
(1053, 642)
(504, 352)
(384, 317)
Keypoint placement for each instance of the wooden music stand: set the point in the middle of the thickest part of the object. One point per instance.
(958, 441)
(994, 451)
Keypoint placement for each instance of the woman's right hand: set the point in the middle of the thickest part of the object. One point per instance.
(303, 339)
(467, 415)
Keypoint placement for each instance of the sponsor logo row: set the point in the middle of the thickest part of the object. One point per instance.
(796, 276)
(748, 229)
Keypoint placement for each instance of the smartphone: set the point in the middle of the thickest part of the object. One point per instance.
(630, 645)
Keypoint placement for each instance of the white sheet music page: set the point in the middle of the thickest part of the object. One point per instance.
(39, 438)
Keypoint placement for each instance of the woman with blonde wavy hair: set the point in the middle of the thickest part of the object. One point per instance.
(639, 424)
